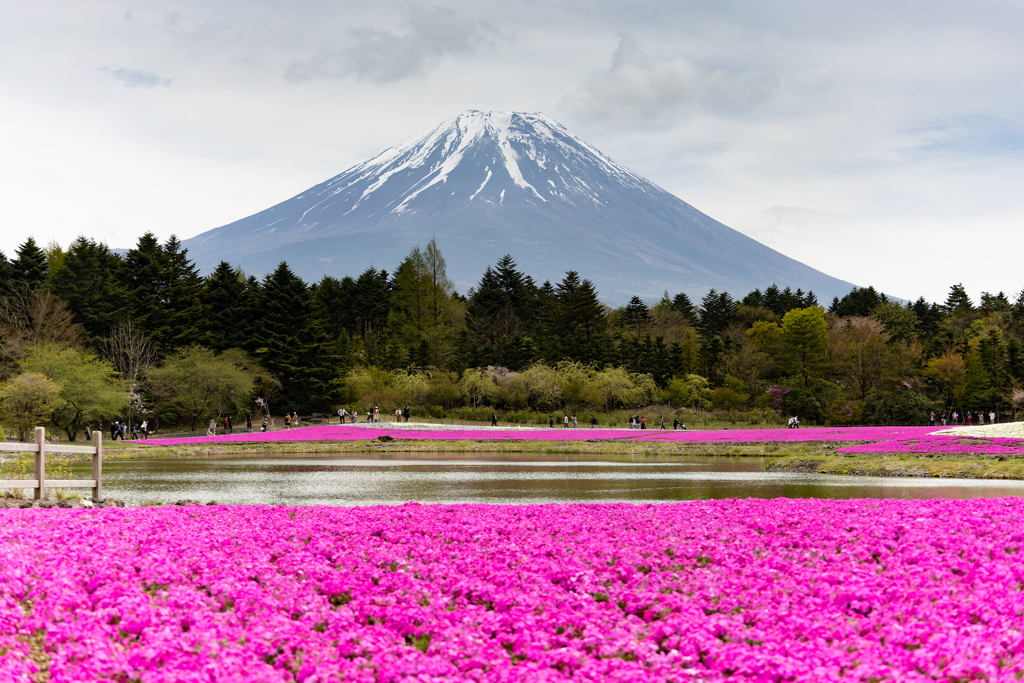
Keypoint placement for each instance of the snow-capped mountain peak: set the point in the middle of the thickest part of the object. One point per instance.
(490, 183)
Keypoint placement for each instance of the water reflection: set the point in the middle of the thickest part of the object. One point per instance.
(392, 479)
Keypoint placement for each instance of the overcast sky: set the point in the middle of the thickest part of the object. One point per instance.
(879, 142)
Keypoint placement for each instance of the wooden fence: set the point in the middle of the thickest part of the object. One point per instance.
(41, 448)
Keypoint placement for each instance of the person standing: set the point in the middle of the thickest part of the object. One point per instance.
(593, 420)
(264, 424)
(212, 429)
(574, 422)
(551, 421)
(931, 419)
(287, 420)
(231, 425)
(88, 432)
(145, 429)
(991, 417)
(663, 422)
(248, 422)
(135, 431)
(406, 413)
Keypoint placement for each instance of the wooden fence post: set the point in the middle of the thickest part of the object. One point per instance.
(41, 462)
(97, 465)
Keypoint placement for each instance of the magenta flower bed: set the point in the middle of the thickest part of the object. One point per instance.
(881, 439)
(357, 433)
(750, 590)
(942, 444)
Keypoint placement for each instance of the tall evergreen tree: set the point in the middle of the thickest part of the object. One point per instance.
(958, 302)
(370, 300)
(576, 322)
(636, 316)
(227, 311)
(185, 310)
(284, 337)
(521, 303)
(144, 279)
(29, 268)
(681, 304)
(860, 301)
(92, 283)
(5, 274)
(716, 312)
(408, 310)
(487, 301)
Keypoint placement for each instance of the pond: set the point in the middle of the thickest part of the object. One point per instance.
(502, 479)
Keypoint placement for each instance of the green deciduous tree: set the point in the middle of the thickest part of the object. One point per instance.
(26, 402)
(90, 389)
(692, 391)
(207, 384)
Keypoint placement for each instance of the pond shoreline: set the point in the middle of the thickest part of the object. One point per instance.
(802, 456)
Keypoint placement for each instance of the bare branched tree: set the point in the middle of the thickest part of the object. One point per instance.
(132, 354)
(35, 316)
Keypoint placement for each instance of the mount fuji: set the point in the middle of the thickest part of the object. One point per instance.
(489, 183)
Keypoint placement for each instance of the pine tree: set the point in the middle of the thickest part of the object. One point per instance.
(957, 302)
(29, 268)
(185, 310)
(91, 281)
(371, 299)
(636, 315)
(408, 314)
(226, 308)
(5, 275)
(681, 304)
(576, 322)
(284, 338)
(143, 278)
(716, 312)
(486, 302)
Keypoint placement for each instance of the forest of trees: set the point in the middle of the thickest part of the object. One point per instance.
(88, 335)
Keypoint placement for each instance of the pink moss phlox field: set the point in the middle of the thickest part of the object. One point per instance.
(357, 433)
(944, 444)
(880, 439)
(751, 590)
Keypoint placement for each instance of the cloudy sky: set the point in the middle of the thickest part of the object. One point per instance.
(880, 142)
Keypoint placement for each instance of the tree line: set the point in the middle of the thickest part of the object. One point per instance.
(143, 333)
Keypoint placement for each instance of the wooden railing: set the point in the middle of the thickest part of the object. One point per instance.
(41, 448)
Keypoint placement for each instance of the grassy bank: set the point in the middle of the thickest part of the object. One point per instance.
(900, 465)
(132, 450)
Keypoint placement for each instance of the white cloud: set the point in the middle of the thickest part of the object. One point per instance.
(137, 78)
(641, 87)
(384, 56)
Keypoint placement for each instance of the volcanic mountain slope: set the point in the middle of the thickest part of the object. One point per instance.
(488, 183)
